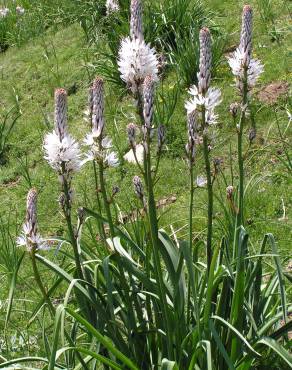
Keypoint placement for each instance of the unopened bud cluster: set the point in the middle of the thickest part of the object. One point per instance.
(131, 132)
(30, 237)
(245, 69)
(204, 75)
(98, 143)
(138, 187)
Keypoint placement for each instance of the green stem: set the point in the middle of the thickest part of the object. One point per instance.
(192, 189)
(240, 219)
(39, 282)
(105, 199)
(47, 299)
(67, 213)
(156, 245)
(210, 198)
(100, 224)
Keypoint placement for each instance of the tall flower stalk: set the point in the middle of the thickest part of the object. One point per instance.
(246, 71)
(31, 239)
(95, 171)
(63, 154)
(203, 103)
(137, 59)
(191, 153)
(148, 112)
(100, 152)
(138, 66)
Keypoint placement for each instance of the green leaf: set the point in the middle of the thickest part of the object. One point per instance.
(102, 359)
(12, 290)
(65, 276)
(276, 347)
(237, 333)
(58, 316)
(28, 359)
(118, 231)
(280, 276)
(102, 339)
(210, 287)
(221, 346)
(282, 331)
(237, 307)
(168, 365)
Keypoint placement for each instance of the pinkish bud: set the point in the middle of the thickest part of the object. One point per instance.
(98, 121)
(136, 28)
(148, 94)
(204, 75)
(61, 113)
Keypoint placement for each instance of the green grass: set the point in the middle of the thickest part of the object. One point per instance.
(29, 75)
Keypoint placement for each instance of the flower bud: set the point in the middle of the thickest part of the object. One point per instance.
(234, 109)
(161, 137)
(192, 136)
(81, 214)
(229, 192)
(62, 201)
(98, 107)
(136, 27)
(31, 212)
(246, 34)
(204, 75)
(131, 131)
(148, 95)
(61, 113)
(115, 190)
(217, 163)
(138, 187)
(252, 134)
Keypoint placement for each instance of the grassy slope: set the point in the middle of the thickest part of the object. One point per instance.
(33, 71)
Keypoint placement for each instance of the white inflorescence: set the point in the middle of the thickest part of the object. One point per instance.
(63, 155)
(254, 68)
(111, 159)
(136, 61)
(111, 6)
(201, 181)
(204, 98)
(30, 238)
(100, 151)
(209, 101)
(241, 63)
(4, 12)
(20, 10)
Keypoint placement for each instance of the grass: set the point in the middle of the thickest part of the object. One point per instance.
(29, 75)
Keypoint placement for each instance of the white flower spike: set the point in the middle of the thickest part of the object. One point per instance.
(136, 61)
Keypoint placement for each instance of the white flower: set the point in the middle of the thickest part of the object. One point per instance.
(29, 240)
(201, 181)
(130, 157)
(91, 139)
(100, 153)
(62, 153)
(111, 159)
(4, 12)
(111, 7)
(209, 101)
(236, 63)
(20, 10)
(106, 143)
(136, 61)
